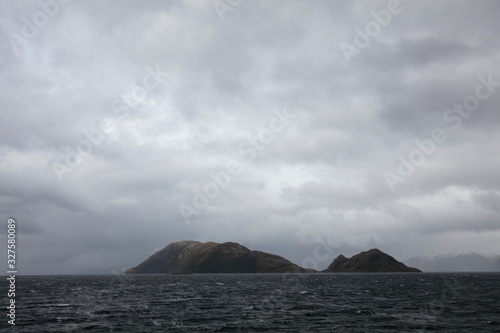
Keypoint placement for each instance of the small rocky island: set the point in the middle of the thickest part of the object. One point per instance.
(185, 257)
(370, 261)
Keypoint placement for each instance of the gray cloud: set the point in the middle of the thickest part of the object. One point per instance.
(222, 83)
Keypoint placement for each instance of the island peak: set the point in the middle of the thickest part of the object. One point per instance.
(372, 260)
(210, 257)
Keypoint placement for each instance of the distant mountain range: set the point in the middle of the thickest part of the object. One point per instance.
(458, 262)
(183, 257)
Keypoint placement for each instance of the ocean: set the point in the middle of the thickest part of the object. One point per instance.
(372, 302)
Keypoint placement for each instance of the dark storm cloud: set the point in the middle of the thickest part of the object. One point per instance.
(220, 83)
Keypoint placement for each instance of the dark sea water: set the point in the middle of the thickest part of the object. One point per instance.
(259, 303)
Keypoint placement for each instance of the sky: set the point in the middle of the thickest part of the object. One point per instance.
(301, 128)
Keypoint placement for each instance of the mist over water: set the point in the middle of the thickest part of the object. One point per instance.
(374, 302)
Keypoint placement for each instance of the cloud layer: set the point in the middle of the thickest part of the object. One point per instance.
(116, 114)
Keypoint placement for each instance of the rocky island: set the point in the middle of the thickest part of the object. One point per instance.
(185, 257)
(210, 257)
(370, 261)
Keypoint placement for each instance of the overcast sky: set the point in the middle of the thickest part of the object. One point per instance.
(280, 125)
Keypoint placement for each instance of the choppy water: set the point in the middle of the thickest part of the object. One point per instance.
(259, 303)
